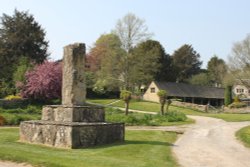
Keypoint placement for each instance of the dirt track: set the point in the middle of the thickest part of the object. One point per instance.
(212, 143)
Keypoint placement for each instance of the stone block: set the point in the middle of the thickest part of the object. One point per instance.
(73, 82)
(71, 135)
(62, 113)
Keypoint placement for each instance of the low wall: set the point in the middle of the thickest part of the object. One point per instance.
(237, 110)
(190, 105)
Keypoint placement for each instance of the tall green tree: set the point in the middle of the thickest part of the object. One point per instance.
(106, 62)
(200, 79)
(131, 30)
(217, 70)
(20, 36)
(147, 62)
(186, 62)
(228, 95)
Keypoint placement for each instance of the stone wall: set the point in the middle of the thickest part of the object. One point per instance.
(190, 105)
(61, 113)
(71, 134)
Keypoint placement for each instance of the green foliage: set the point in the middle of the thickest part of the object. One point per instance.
(236, 99)
(200, 79)
(26, 38)
(6, 88)
(217, 70)
(147, 62)
(125, 95)
(237, 104)
(175, 116)
(16, 115)
(186, 62)
(105, 60)
(244, 135)
(162, 94)
(116, 115)
(228, 95)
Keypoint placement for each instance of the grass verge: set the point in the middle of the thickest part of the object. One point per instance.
(141, 149)
(155, 107)
(244, 135)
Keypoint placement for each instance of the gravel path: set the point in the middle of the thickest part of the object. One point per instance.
(212, 143)
(12, 164)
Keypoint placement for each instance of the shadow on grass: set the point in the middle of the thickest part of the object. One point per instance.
(128, 142)
(132, 142)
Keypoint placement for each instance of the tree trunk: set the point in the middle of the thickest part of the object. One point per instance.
(162, 109)
(167, 107)
(126, 108)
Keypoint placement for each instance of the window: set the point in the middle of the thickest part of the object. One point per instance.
(239, 90)
(152, 90)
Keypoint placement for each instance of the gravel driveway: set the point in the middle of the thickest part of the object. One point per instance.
(212, 143)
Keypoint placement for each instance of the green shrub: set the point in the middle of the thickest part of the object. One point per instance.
(237, 105)
(236, 99)
(116, 115)
(175, 116)
(15, 119)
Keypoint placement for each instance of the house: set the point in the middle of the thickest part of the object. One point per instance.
(241, 88)
(186, 93)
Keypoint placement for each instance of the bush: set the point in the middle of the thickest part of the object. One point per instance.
(116, 115)
(237, 105)
(44, 82)
(15, 119)
(12, 97)
(175, 116)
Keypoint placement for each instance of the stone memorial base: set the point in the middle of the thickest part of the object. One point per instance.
(71, 135)
(71, 127)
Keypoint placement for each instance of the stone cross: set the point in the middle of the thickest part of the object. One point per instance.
(73, 86)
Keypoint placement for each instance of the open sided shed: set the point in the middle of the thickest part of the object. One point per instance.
(186, 92)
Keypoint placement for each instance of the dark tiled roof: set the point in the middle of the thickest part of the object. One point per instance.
(187, 90)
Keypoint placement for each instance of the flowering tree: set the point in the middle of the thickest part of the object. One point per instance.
(44, 82)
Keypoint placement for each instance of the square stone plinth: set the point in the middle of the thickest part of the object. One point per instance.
(61, 113)
(71, 134)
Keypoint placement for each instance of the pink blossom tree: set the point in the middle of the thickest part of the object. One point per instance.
(44, 82)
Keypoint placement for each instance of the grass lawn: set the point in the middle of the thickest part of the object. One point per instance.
(155, 107)
(141, 149)
(244, 135)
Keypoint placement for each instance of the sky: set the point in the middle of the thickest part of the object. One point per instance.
(211, 26)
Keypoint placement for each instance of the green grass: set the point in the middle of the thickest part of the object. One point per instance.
(155, 107)
(244, 135)
(102, 101)
(141, 149)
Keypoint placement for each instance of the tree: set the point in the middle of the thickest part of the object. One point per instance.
(44, 82)
(147, 60)
(20, 36)
(162, 94)
(217, 70)
(240, 56)
(228, 95)
(186, 62)
(105, 60)
(126, 97)
(200, 79)
(131, 30)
